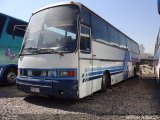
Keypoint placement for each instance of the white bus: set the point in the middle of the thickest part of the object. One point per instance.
(70, 52)
(157, 53)
(157, 58)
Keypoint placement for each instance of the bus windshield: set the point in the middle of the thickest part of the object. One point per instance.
(54, 28)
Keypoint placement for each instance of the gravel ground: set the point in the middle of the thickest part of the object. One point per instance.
(135, 98)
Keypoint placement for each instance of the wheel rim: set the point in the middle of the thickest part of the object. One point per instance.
(11, 76)
(107, 80)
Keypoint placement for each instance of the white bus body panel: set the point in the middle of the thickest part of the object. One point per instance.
(85, 88)
(105, 57)
(109, 56)
(49, 61)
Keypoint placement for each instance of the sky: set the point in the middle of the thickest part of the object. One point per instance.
(138, 19)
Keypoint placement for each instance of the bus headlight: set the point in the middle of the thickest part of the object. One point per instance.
(52, 73)
(64, 73)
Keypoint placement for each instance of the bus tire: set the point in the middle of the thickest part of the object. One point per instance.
(105, 82)
(10, 75)
(135, 73)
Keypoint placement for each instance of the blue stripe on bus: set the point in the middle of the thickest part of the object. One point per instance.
(98, 74)
(95, 77)
(118, 72)
(103, 68)
(101, 72)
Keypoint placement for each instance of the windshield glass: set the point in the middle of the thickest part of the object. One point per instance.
(53, 28)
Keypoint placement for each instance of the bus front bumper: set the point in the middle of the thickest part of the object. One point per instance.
(67, 89)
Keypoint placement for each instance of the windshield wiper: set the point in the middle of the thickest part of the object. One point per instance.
(45, 50)
(28, 49)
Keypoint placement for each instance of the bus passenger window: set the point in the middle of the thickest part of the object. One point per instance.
(85, 45)
(113, 35)
(86, 17)
(122, 40)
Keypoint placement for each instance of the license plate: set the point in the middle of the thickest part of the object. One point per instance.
(33, 89)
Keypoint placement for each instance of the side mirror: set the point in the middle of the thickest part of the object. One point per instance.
(158, 6)
(19, 30)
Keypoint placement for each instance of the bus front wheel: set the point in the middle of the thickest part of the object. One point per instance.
(135, 73)
(10, 76)
(106, 82)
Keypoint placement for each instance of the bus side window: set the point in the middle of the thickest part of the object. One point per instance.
(10, 28)
(99, 29)
(85, 17)
(122, 40)
(129, 44)
(113, 35)
(2, 22)
(85, 44)
(137, 49)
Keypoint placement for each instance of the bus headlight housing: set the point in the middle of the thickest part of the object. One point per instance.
(67, 73)
(52, 73)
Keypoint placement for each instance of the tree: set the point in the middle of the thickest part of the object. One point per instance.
(143, 54)
(142, 50)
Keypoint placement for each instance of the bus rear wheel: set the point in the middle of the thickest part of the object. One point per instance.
(106, 82)
(135, 73)
(10, 76)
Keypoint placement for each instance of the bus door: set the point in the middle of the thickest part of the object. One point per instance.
(85, 62)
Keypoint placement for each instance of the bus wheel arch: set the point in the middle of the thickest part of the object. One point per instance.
(106, 81)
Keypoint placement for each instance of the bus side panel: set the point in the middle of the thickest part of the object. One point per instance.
(133, 62)
(85, 78)
(103, 60)
(111, 59)
(9, 47)
(114, 68)
(116, 61)
(97, 74)
(130, 69)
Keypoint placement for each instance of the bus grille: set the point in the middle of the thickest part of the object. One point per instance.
(36, 72)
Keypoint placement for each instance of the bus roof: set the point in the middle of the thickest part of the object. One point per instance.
(80, 5)
(58, 4)
(12, 17)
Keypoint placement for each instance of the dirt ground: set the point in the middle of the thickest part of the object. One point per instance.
(135, 98)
